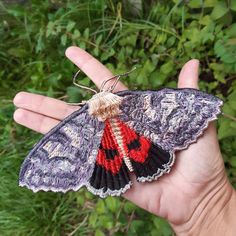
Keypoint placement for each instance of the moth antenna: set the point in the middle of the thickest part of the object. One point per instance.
(82, 86)
(115, 83)
(76, 103)
(112, 87)
(104, 82)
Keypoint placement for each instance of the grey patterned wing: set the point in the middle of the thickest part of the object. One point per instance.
(64, 158)
(170, 118)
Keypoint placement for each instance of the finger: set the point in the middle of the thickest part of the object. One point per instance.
(95, 70)
(140, 195)
(44, 105)
(34, 121)
(188, 77)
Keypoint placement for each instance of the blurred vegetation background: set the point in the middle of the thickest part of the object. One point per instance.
(156, 36)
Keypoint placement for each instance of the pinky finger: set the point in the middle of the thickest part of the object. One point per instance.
(34, 121)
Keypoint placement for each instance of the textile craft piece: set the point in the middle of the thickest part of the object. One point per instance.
(114, 135)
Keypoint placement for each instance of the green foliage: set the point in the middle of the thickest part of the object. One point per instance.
(157, 38)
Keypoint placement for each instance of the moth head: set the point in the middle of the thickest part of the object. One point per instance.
(104, 105)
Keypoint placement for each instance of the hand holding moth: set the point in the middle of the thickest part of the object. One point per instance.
(196, 181)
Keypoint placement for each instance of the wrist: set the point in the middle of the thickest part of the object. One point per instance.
(214, 215)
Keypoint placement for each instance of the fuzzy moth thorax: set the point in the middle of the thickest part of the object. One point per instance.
(104, 105)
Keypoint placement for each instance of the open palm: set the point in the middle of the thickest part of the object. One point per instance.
(197, 176)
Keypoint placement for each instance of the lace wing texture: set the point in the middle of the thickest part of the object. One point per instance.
(143, 129)
(118, 134)
(171, 118)
(64, 159)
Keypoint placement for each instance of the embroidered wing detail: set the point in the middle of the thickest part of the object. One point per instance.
(149, 161)
(84, 151)
(169, 118)
(64, 158)
(111, 175)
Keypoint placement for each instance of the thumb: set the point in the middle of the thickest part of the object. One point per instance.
(188, 77)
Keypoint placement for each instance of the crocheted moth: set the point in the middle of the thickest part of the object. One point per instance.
(115, 134)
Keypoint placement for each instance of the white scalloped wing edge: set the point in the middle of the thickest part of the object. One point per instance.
(53, 189)
(201, 131)
(109, 192)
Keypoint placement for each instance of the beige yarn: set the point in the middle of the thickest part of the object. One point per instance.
(118, 136)
(104, 105)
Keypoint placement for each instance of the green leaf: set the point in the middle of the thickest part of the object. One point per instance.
(233, 5)
(167, 68)
(76, 33)
(233, 125)
(232, 100)
(231, 31)
(219, 48)
(170, 41)
(82, 44)
(161, 38)
(99, 39)
(230, 57)
(106, 221)
(219, 10)
(136, 225)
(86, 33)
(40, 42)
(129, 207)
(162, 225)
(98, 232)
(157, 79)
(194, 35)
(134, 7)
(128, 40)
(100, 207)
(50, 28)
(233, 161)
(209, 3)
(224, 131)
(63, 39)
(17, 11)
(195, 3)
(93, 219)
(96, 51)
(218, 70)
(17, 52)
(112, 204)
(70, 26)
(226, 19)
(107, 54)
(143, 75)
(205, 20)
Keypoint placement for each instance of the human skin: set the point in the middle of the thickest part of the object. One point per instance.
(196, 197)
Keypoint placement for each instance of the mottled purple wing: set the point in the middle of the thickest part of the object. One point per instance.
(64, 158)
(170, 118)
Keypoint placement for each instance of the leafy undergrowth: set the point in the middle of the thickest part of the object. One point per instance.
(158, 38)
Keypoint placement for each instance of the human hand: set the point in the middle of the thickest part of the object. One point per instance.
(197, 181)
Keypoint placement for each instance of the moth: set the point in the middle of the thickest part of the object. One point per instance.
(115, 134)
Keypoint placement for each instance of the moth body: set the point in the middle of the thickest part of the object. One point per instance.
(119, 138)
(104, 105)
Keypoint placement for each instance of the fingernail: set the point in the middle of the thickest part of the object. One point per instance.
(18, 99)
(18, 115)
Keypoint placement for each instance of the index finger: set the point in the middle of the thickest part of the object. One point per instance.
(94, 69)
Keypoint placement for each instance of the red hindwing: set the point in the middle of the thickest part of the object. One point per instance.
(136, 147)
